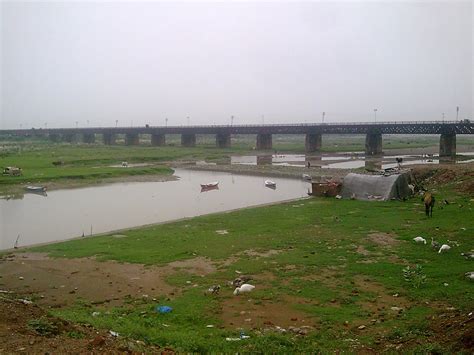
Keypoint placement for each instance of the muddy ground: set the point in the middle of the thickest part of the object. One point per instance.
(56, 283)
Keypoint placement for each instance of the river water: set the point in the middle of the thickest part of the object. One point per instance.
(69, 213)
(349, 160)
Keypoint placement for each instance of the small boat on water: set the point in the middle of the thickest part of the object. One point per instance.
(307, 177)
(271, 184)
(35, 188)
(210, 185)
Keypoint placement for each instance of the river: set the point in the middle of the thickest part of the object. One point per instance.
(69, 213)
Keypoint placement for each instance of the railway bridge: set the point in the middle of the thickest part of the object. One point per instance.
(447, 130)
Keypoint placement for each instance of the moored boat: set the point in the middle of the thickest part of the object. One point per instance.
(210, 185)
(307, 177)
(35, 188)
(271, 184)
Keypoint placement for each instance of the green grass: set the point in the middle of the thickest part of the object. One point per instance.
(314, 243)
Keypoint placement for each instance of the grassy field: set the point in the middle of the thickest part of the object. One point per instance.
(336, 263)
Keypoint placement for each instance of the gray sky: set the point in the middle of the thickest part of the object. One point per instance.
(140, 62)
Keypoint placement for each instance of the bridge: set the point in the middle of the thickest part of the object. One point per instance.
(313, 133)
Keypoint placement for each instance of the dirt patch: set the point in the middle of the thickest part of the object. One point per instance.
(258, 254)
(60, 282)
(251, 252)
(29, 324)
(362, 251)
(384, 303)
(383, 239)
(238, 312)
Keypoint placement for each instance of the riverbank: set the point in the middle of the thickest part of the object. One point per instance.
(328, 276)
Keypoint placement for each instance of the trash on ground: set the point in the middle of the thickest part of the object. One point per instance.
(214, 289)
(222, 231)
(243, 336)
(95, 314)
(163, 309)
(232, 339)
(114, 334)
(25, 301)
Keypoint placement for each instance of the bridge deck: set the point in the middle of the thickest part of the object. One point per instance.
(422, 127)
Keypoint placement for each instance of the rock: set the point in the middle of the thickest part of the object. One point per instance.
(360, 327)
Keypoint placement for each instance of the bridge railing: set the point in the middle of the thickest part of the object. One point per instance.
(311, 124)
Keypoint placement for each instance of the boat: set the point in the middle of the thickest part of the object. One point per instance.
(210, 185)
(40, 189)
(271, 184)
(307, 177)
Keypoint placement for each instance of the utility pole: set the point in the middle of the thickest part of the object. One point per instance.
(375, 115)
(166, 122)
(324, 114)
(231, 120)
(116, 123)
(457, 113)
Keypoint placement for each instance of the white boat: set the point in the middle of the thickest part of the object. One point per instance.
(35, 188)
(210, 185)
(270, 183)
(307, 177)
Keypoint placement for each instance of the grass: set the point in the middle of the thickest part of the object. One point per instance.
(316, 263)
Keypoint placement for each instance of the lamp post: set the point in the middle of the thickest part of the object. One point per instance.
(231, 120)
(166, 122)
(77, 124)
(375, 115)
(324, 114)
(188, 120)
(116, 123)
(457, 113)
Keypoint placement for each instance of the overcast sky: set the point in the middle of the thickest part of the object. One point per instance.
(142, 62)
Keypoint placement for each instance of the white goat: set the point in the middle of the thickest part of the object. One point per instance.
(444, 247)
(243, 289)
(420, 240)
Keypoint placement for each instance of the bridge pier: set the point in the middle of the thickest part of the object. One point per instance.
(373, 144)
(158, 140)
(132, 139)
(88, 138)
(109, 138)
(188, 140)
(223, 140)
(71, 137)
(447, 145)
(264, 141)
(313, 142)
(54, 137)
